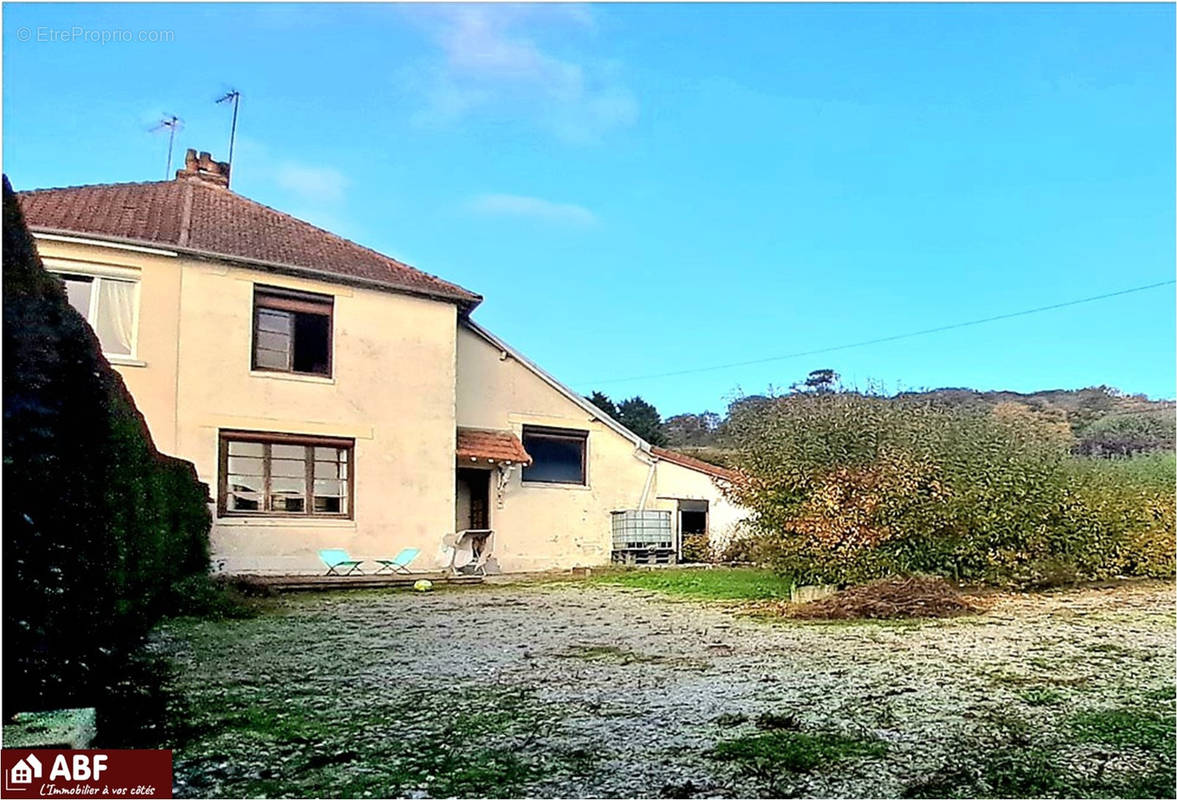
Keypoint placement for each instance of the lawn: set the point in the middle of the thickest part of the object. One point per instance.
(706, 584)
(591, 688)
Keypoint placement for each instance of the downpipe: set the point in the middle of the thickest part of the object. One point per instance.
(649, 479)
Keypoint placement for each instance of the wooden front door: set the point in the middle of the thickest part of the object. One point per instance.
(472, 510)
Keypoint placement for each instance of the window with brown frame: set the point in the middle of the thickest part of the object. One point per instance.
(284, 475)
(557, 455)
(292, 331)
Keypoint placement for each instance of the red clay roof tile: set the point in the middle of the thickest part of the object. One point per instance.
(693, 463)
(201, 217)
(498, 446)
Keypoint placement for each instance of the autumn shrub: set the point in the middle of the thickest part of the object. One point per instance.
(1127, 505)
(743, 547)
(696, 547)
(846, 487)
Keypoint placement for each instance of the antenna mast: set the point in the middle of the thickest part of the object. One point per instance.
(173, 124)
(234, 96)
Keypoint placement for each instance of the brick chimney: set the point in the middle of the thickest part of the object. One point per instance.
(203, 168)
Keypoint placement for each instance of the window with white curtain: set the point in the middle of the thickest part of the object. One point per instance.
(109, 305)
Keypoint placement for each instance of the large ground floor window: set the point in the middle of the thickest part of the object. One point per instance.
(284, 475)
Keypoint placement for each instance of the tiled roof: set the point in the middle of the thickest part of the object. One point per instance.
(189, 214)
(694, 463)
(495, 446)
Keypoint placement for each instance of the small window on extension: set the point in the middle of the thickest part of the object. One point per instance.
(292, 331)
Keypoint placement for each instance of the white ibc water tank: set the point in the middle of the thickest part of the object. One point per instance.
(633, 530)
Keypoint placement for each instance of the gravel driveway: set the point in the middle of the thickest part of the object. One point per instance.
(607, 691)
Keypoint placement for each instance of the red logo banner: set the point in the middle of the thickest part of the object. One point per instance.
(86, 773)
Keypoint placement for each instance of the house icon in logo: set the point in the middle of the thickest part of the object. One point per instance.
(25, 770)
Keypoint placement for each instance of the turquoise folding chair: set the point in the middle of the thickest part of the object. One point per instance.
(400, 564)
(339, 559)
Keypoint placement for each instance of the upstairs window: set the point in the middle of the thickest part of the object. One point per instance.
(109, 305)
(292, 331)
(280, 475)
(557, 455)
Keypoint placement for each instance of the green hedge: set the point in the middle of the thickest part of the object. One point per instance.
(98, 525)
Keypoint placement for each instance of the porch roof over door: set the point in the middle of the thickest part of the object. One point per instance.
(490, 447)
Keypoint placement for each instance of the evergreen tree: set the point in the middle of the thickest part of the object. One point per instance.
(642, 418)
(602, 401)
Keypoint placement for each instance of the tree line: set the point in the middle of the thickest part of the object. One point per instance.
(1100, 420)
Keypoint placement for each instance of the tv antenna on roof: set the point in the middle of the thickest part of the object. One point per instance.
(233, 96)
(173, 124)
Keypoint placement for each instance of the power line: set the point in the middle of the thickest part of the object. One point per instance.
(883, 339)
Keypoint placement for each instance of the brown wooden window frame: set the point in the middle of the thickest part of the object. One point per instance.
(268, 439)
(564, 434)
(279, 299)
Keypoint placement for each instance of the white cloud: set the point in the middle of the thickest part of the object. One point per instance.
(515, 205)
(490, 60)
(322, 186)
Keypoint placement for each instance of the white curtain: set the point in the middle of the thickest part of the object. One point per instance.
(115, 316)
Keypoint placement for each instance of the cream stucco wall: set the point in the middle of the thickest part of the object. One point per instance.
(545, 526)
(151, 374)
(392, 391)
(674, 482)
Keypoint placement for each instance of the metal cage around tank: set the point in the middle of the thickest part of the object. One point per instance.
(643, 537)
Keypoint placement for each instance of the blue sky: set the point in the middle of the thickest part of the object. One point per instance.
(653, 188)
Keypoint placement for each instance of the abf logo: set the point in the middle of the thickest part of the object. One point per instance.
(26, 769)
(81, 767)
(86, 773)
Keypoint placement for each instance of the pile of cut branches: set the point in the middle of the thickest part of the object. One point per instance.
(890, 598)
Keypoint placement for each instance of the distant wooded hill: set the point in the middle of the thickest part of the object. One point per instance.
(1104, 421)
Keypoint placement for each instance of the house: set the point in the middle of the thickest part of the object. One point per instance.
(25, 769)
(22, 772)
(335, 397)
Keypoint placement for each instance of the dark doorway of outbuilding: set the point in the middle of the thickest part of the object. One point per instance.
(694, 542)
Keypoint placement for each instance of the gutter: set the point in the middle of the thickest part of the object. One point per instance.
(58, 237)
